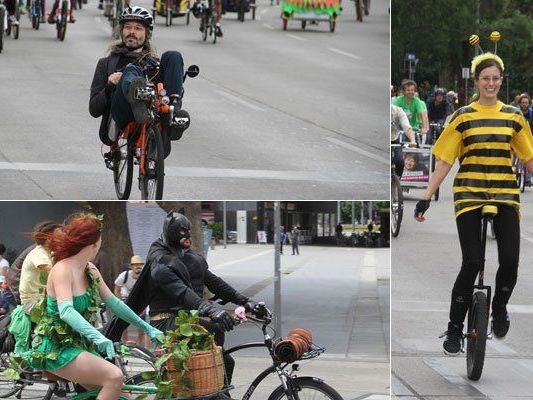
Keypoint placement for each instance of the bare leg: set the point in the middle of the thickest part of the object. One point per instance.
(88, 369)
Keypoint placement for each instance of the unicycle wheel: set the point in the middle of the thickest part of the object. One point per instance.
(476, 340)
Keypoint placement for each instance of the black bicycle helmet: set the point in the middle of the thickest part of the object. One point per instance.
(138, 14)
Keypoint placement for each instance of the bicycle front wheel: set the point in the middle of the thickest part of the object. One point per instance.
(62, 24)
(123, 168)
(152, 180)
(306, 388)
(396, 206)
(478, 316)
(8, 387)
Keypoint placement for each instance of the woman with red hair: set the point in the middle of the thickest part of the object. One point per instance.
(66, 342)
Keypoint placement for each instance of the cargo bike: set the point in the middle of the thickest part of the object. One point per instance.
(170, 9)
(312, 11)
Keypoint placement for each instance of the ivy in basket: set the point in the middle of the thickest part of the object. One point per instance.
(179, 345)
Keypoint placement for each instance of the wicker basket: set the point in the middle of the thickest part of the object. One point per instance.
(206, 370)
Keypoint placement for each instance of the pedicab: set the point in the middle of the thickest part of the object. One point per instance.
(241, 7)
(312, 11)
(171, 9)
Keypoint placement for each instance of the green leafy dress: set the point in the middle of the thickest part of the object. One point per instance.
(55, 343)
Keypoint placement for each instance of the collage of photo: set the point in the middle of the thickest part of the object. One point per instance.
(216, 212)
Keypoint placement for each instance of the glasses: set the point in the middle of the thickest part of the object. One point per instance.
(488, 79)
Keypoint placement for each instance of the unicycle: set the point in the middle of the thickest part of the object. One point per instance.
(478, 312)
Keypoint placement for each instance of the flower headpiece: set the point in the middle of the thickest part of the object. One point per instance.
(474, 41)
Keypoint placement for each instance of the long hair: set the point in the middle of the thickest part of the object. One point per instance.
(41, 231)
(147, 48)
(79, 231)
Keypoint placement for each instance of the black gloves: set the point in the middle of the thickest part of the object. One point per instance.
(257, 309)
(421, 207)
(217, 314)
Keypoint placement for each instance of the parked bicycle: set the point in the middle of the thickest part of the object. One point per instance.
(142, 144)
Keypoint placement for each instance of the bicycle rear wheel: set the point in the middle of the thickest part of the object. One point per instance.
(204, 23)
(152, 181)
(307, 388)
(213, 29)
(478, 316)
(62, 24)
(396, 206)
(123, 169)
(2, 26)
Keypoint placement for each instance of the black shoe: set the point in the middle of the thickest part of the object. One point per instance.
(218, 31)
(138, 106)
(500, 321)
(454, 339)
(100, 6)
(108, 160)
(179, 123)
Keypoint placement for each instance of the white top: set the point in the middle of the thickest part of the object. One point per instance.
(3, 264)
(125, 289)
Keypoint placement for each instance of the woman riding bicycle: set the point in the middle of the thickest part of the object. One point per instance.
(66, 343)
(483, 136)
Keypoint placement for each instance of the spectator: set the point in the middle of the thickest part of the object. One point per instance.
(123, 285)
(282, 238)
(295, 234)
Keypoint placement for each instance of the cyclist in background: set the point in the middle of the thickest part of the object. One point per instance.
(414, 108)
(524, 103)
(116, 78)
(399, 122)
(200, 6)
(52, 15)
(438, 110)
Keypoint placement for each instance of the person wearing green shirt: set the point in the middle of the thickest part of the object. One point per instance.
(414, 107)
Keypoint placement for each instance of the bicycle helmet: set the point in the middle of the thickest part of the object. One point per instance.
(440, 91)
(138, 14)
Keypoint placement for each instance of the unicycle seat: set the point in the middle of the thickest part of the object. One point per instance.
(489, 211)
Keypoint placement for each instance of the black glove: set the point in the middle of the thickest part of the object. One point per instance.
(217, 314)
(421, 207)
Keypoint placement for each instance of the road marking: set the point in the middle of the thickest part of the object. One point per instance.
(240, 101)
(268, 26)
(197, 172)
(258, 17)
(333, 49)
(296, 37)
(263, 11)
(359, 150)
(225, 264)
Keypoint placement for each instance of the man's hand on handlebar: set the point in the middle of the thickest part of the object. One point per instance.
(256, 308)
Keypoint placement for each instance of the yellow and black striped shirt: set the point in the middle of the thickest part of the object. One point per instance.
(484, 138)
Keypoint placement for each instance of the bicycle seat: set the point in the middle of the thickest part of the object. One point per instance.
(489, 211)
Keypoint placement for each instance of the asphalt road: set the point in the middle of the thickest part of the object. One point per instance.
(426, 260)
(275, 114)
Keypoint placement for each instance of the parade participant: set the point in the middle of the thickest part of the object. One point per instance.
(73, 292)
(414, 108)
(117, 76)
(482, 136)
(174, 278)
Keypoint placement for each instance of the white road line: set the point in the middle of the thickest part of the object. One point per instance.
(194, 172)
(359, 150)
(240, 101)
(225, 264)
(344, 53)
(296, 37)
(268, 26)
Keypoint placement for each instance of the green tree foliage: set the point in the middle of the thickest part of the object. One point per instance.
(437, 33)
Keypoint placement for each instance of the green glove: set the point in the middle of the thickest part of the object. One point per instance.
(125, 313)
(68, 313)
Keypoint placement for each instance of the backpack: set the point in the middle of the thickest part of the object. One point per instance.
(14, 271)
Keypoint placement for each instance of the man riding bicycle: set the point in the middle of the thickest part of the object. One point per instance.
(197, 12)
(174, 278)
(120, 74)
(414, 108)
(439, 108)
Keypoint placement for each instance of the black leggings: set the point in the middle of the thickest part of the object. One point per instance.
(507, 229)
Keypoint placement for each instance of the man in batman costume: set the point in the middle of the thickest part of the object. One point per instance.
(173, 279)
